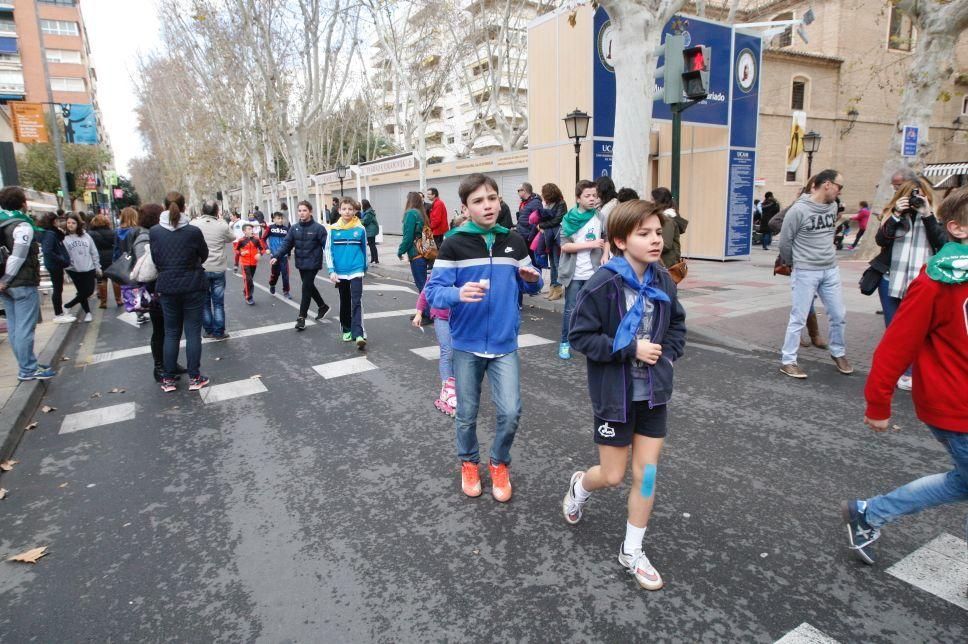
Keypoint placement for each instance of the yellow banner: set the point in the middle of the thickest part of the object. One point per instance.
(29, 125)
(795, 150)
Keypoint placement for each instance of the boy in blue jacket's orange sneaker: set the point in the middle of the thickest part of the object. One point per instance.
(479, 272)
(247, 251)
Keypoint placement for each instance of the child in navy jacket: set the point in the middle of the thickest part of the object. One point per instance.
(631, 328)
(478, 275)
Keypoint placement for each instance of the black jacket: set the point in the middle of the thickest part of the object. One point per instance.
(894, 227)
(104, 241)
(178, 255)
(768, 210)
(549, 218)
(55, 254)
(598, 312)
(524, 227)
(504, 219)
(308, 240)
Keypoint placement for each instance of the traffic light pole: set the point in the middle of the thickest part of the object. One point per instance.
(677, 110)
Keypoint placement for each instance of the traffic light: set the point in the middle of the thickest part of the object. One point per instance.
(71, 183)
(695, 74)
(671, 70)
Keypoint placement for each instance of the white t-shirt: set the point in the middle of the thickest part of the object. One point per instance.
(583, 262)
(236, 228)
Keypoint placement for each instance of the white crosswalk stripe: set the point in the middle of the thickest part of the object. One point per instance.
(525, 340)
(939, 567)
(805, 634)
(97, 417)
(344, 368)
(232, 390)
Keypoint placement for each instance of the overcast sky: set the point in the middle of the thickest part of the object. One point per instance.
(119, 30)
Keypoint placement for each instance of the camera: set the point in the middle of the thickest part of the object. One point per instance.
(916, 201)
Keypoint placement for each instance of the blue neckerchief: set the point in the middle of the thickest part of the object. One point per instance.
(629, 326)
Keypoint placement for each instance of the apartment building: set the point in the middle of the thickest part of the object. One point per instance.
(72, 75)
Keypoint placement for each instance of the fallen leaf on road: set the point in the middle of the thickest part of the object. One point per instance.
(6, 466)
(764, 555)
(47, 409)
(65, 359)
(116, 390)
(63, 485)
(31, 556)
(217, 359)
(896, 428)
(32, 425)
(96, 394)
(476, 551)
(3, 493)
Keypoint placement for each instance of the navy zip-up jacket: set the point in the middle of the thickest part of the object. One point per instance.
(308, 240)
(52, 247)
(491, 325)
(598, 312)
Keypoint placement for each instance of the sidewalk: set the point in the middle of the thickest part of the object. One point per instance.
(740, 304)
(19, 399)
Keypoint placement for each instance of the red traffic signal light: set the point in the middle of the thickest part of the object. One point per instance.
(695, 76)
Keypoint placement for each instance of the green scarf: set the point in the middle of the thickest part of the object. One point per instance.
(6, 215)
(471, 228)
(950, 264)
(574, 221)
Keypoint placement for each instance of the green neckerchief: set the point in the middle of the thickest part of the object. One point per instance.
(471, 228)
(950, 264)
(575, 220)
(6, 215)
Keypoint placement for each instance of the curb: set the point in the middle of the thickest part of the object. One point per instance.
(23, 403)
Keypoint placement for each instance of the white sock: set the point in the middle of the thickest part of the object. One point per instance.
(633, 538)
(581, 494)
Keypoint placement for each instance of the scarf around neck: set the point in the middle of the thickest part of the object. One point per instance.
(6, 215)
(574, 220)
(343, 225)
(629, 325)
(471, 228)
(950, 264)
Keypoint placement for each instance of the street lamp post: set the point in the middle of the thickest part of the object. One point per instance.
(576, 125)
(341, 175)
(811, 144)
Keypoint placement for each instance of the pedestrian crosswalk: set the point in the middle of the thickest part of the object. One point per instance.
(939, 567)
(232, 390)
(97, 417)
(525, 340)
(339, 368)
(805, 634)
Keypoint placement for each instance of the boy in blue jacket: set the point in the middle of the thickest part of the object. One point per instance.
(480, 270)
(275, 237)
(629, 324)
(346, 261)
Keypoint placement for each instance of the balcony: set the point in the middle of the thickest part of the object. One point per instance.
(8, 29)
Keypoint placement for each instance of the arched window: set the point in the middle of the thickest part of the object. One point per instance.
(785, 39)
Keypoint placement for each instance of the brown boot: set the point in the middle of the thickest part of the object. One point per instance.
(556, 293)
(813, 328)
(102, 294)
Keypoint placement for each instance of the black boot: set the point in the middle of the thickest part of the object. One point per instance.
(159, 371)
(180, 369)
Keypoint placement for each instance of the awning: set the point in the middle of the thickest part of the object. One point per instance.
(945, 169)
(8, 45)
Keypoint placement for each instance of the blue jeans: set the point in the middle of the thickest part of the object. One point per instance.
(553, 259)
(502, 373)
(929, 491)
(767, 238)
(571, 296)
(22, 304)
(826, 284)
(213, 312)
(889, 305)
(442, 328)
(418, 268)
(183, 312)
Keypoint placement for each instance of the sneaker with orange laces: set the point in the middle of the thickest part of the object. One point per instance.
(500, 482)
(470, 478)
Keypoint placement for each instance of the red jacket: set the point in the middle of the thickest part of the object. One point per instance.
(930, 330)
(248, 249)
(438, 218)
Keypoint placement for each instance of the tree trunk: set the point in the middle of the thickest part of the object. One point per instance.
(297, 161)
(422, 152)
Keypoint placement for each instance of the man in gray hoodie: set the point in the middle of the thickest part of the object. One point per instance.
(217, 234)
(807, 244)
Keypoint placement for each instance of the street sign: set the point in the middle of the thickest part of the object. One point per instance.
(909, 144)
(29, 125)
(118, 193)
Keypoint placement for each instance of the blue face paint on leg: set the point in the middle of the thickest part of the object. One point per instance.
(648, 480)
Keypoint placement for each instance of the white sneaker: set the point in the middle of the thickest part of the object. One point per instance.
(88, 317)
(905, 383)
(64, 318)
(639, 565)
(571, 507)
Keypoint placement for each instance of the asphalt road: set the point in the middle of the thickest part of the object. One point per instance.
(330, 510)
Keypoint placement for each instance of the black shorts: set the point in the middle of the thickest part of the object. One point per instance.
(641, 420)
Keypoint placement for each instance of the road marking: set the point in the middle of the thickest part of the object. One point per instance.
(388, 314)
(388, 287)
(281, 298)
(233, 335)
(230, 390)
(130, 318)
(525, 340)
(344, 368)
(97, 417)
(939, 567)
(90, 337)
(805, 634)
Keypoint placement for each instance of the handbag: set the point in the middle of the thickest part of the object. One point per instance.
(779, 268)
(870, 280)
(120, 269)
(426, 246)
(144, 270)
(679, 271)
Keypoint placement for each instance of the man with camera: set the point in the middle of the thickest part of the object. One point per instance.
(807, 244)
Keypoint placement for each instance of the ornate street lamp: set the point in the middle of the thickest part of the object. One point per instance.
(811, 144)
(341, 175)
(576, 125)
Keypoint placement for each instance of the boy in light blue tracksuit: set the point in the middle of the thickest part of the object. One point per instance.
(346, 261)
(479, 272)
